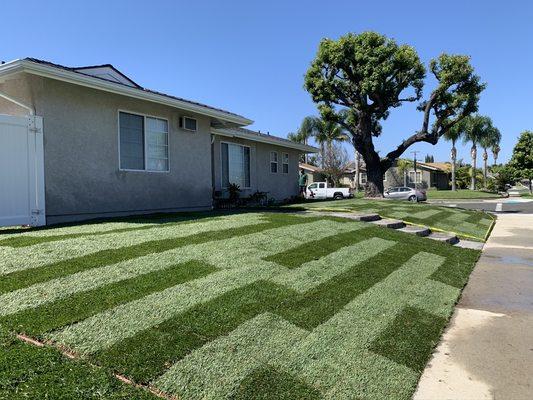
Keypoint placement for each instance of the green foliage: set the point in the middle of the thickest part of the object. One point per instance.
(357, 68)
(429, 158)
(234, 191)
(476, 129)
(504, 175)
(521, 163)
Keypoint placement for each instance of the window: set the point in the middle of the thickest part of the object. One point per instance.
(274, 162)
(235, 165)
(285, 165)
(321, 185)
(362, 177)
(143, 143)
(412, 177)
(313, 186)
(189, 124)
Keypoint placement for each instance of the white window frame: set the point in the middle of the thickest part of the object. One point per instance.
(274, 162)
(183, 122)
(151, 171)
(283, 163)
(221, 166)
(362, 178)
(418, 176)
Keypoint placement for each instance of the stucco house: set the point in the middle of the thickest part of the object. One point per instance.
(86, 142)
(427, 175)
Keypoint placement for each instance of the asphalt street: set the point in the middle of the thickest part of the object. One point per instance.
(503, 205)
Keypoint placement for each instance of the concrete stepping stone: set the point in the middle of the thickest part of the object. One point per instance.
(444, 237)
(357, 217)
(416, 230)
(390, 223)
(469, 244)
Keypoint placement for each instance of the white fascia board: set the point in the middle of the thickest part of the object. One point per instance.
(100, 84)
(262, 139)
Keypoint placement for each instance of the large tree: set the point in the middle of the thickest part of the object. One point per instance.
(357, 80)
(521, 163)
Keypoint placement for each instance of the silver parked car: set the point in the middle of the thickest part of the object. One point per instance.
(405, 193)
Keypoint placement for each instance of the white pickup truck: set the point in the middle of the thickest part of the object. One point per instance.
(321, 190)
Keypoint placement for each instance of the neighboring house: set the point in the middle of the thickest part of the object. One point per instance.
(313, 172)
(428, 175)
(80, 143)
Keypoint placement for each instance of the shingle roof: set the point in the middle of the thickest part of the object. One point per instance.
(76, 70)
(266, 135)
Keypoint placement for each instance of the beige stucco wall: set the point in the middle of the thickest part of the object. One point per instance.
(279, 186)
(81, 156)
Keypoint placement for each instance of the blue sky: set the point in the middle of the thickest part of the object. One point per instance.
(250, 56)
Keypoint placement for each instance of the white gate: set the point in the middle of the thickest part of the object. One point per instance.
(21, 171)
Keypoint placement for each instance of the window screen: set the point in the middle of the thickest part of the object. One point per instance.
(131, 141)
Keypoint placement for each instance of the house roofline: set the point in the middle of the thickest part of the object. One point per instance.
(78, 78)
(262, 138)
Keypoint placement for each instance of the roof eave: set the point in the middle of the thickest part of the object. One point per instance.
(263, 139)
(100, 84)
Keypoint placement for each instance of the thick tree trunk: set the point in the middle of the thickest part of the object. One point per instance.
(485, 157)
(356, 177)
(473, 153)
(374, 174)
(454, 162)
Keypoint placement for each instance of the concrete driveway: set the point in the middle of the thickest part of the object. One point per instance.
(487, 349)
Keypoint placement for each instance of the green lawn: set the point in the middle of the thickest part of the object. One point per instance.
(468, 224)
(240, 306)
(460, 194)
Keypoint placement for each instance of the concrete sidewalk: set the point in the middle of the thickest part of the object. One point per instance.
(487, 349)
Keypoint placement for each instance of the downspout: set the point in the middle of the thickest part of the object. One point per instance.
(18, 103)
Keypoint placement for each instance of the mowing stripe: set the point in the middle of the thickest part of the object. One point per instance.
(425, 214)
(295, 257)
(16, 259)
(256, 236)
(397, 344)
(216, 370)
(244, 267)
(145, 355)
(26, 278)
(82, 305)
(95, 229)
(313, 273)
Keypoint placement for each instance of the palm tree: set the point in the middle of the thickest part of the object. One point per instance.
(306, 130)
(476, 126)
(326, 133)
(403, 165)
(453, 135)
(490, 139)
(495, 151)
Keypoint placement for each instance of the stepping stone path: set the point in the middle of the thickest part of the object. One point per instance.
(400, 225)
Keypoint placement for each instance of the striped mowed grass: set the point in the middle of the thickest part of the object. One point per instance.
(469, 224)
(265, 305)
